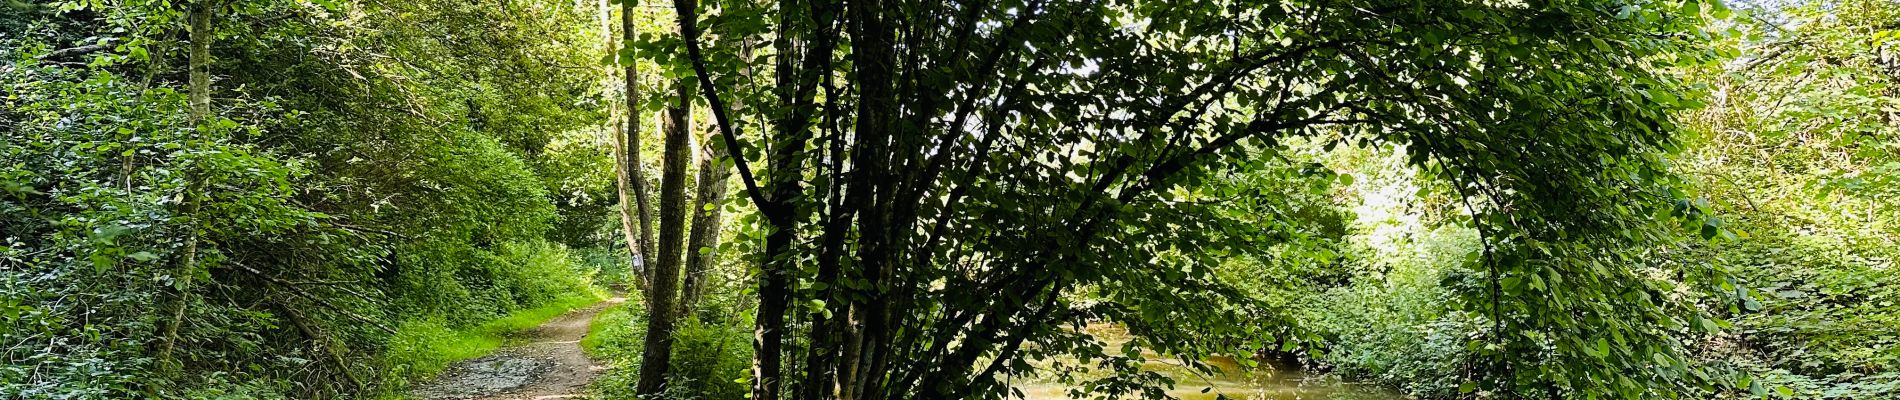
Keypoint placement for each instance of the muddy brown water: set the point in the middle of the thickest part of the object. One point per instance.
(1264, 383)
(1267, 382)
(1241, 385)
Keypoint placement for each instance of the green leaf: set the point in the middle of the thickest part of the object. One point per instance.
(627, 56)
(101, 262)
(109, 232)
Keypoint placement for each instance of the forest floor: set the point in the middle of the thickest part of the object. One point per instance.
(541, 364)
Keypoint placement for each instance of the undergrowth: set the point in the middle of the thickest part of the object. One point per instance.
(613, 329)
(710, 360)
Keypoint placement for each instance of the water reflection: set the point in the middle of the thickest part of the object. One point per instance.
(1260, 384)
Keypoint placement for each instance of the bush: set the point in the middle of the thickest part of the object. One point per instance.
(335, 192)
(610, 265)
(92, 169)
(1820, 321)
(478, 297)
(710, 360)
(1394, 328)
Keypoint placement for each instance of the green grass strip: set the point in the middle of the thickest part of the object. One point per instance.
(422, 348)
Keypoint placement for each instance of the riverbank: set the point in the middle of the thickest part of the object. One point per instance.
(1266, 381)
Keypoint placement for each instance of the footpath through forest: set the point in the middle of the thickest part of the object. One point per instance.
(545, 363)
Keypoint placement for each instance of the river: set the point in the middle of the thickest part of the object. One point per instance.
(1259, 384)
(1234, 382)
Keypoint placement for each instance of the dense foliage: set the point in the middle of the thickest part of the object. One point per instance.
(1554, 199)
(1054, 164)
(1802, 147)
(1794, 152)
(362, 170)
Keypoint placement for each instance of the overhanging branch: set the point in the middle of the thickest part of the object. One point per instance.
(689, 32)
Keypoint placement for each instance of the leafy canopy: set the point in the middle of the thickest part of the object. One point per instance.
(1005, 172)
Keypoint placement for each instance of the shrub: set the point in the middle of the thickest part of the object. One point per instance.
(92, 168)
(610, 265)
(710, 360)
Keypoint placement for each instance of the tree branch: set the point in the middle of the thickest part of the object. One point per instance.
(300, 293)
(688, 11)
(76, 51)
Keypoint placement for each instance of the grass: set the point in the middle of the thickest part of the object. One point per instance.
(529, 318)
(709, 361)
(611, 331)
(422, 348)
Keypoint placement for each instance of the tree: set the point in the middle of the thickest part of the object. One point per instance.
(941, 191)
(261, 219)
(674, 280)
(199, 72)
(715, 173)
(636, 214)
(664, 286)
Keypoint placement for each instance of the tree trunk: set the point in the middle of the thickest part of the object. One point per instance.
(657, 353)
(875, 172)
(201, 36)
(774, 283)
(707, 216)
(199, 98)
(617, 136)
(769, 328)
(778, 199)
(641, 217)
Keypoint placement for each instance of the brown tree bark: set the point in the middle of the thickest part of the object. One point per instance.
(617, 137)
(777, 201)
(630, 215)
(640, 218)
(838, 336)
(714, 174)
(658, 350)
(708, 215)
(200, 66)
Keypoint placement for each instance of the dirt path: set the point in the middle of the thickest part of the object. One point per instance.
(548, 364)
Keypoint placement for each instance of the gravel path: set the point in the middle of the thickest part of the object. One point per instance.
(548, 364)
